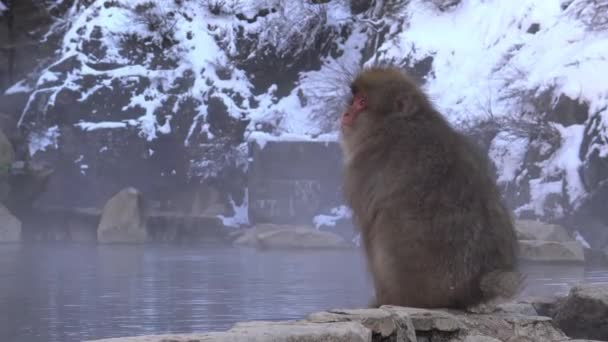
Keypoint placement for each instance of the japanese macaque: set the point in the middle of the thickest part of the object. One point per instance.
(433, 226)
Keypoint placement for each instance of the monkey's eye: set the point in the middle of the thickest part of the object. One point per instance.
(353, 90)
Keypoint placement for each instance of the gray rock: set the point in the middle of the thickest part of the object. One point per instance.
(7, 154)
(10, 226)
(479, 338)
(512, 327)
(216, 337)
(268, 332)
(518, 308)
(300, 332)
(584, 313)
(544, 306)
(122, 220)
(284, 236)
(381, 322)
(536, 230)
(427, 320)
(551, 251)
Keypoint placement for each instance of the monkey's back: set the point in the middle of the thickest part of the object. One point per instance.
(430, 214)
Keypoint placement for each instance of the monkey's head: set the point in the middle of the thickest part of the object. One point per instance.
(377, 93)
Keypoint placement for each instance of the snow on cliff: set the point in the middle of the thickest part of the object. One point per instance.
(489, 58)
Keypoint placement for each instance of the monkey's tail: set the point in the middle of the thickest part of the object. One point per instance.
(502, 284)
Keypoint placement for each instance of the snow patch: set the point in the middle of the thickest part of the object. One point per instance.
(41, 141)
(19, 87)
(508, 152)
(93, 126)
(262, 138)
(539, 192)
(241, 213)
(581, 239)
(567, 158)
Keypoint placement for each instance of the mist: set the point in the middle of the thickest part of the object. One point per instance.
(174, 167)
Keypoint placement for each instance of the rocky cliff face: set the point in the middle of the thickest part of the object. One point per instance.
(164, 96)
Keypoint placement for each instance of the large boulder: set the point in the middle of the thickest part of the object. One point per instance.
(292, 237)
(584, 313)
(551, 251)
(10, 226)
(7, 153)
(537, 230)
(122, 220)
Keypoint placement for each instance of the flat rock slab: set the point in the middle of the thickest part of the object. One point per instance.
(427, 320)
(513, 323)
(551, 251)
(381, 322)
(273, 236)
(269, 332)
(301, 332)
(536, 230)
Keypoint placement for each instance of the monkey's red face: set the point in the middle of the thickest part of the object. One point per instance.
(357, 105)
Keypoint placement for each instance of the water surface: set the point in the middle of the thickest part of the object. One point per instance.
(53, 293)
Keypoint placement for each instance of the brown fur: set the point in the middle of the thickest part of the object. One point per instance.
(433, 226)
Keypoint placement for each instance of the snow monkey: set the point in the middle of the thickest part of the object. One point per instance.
(433, 225)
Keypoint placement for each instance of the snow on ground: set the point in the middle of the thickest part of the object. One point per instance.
(336, 214)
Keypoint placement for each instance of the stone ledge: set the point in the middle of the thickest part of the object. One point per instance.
(517, 322)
